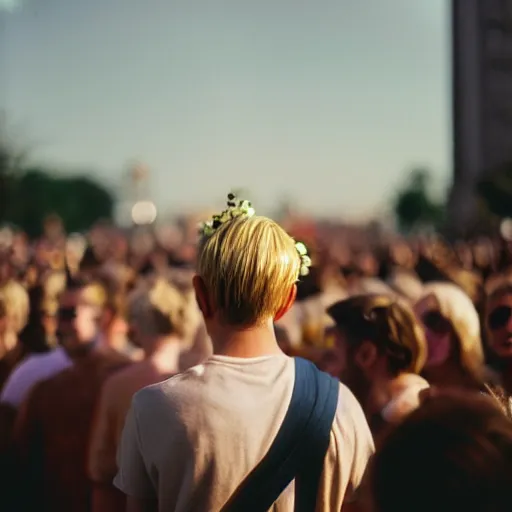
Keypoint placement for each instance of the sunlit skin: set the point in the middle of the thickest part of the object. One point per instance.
(499, 330)
(499, 324)
(439, 344)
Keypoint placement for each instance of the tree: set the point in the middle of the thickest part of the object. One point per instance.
(413, 205)
(79, 201)
(495, 189)
(29, 194)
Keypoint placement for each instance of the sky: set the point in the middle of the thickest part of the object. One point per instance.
(327, 103)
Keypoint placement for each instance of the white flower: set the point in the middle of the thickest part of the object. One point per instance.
(301, 249)
(305, 260)
(206, 228)
(242, 208)
(225, 216)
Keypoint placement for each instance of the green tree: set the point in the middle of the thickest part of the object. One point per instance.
(495, 189)
(413, 205)
(36, 193)
(29, 194)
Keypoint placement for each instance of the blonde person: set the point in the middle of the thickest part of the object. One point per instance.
(236, 432)
(452, 327)
(16, 303)
(156, 318)
(380, 350)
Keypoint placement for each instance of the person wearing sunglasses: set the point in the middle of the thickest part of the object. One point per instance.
(452, 327)
(498, 326)
(52, 429)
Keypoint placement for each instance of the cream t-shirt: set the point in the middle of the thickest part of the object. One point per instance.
(191, 440)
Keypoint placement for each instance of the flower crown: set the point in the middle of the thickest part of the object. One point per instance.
(241, 207)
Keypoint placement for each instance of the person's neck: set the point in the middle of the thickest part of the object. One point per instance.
(161, 345)
(81, 349)
(112, 339)
(381, 392)
(245, 342)
(163, 354)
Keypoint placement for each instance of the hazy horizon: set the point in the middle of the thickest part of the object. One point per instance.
(327, 104)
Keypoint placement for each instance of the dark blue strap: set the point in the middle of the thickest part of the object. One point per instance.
(299, 449)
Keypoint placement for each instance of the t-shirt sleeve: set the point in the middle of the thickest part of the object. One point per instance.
(16, 387)
(355, 443)
(133, 478)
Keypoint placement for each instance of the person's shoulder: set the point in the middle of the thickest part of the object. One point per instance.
(113, 359)
(166, 392)
(349, 414)
(58, 380)
(119, 379)
(116, 356)
(28, 365)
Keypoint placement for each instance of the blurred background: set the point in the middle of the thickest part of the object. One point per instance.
(389, 113)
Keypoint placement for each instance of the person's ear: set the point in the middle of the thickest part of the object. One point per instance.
(288, 304)
(202, 298)
(366, 355)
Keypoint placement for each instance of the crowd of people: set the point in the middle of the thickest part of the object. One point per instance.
(142, 375)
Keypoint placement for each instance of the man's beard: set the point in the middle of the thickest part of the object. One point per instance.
(355, 379)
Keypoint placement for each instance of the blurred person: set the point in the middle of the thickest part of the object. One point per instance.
(51, 433)
(402, 255)
(113, 328)
(89, 266)
(105, 293)
(53, 228)
(367, 263)
(498, 326)
(306, 321)
(15, 299)
(352, 276)
(211, 437)
(483, 256)
(373, 286)
(379, 352)
(156, 318)
(41, 365)
(6, 341)
(454, 453)
(405, 283)
(34, 338)
(470, 282)
(464, 254)
(452, 326)
(196, 344)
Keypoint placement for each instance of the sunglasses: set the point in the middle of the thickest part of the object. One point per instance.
(436, 322)
(66, 314)
(499, 317)
(69, 313)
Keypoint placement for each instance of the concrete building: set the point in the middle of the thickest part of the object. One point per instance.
(482, 99)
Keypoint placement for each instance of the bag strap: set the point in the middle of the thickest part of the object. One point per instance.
(298, 450)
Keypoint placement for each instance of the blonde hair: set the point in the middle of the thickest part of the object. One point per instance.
(456, 306)
(248, 265)
(158, 310)
(388, 322)
(17, 304)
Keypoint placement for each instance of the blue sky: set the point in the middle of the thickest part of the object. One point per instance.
(327, 102)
